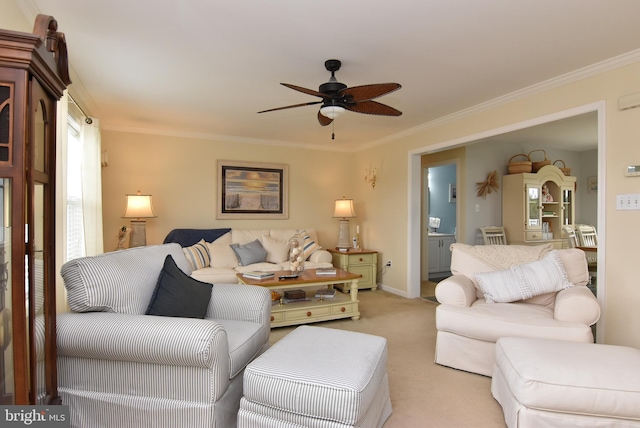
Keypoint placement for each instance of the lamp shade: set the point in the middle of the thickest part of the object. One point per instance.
(344, 208)
(139, 206)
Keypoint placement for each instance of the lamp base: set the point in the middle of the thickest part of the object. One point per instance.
(138, 237)
(343, 235)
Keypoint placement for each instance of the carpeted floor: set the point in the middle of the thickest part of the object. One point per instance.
(423, 394)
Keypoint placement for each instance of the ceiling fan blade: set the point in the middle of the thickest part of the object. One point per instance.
(324, 120)
(305, 90)
(369, 92)
(373, 107)
(292, 106)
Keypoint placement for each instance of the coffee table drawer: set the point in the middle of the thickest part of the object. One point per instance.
(308, 313)
(277, 317)
(345, 308)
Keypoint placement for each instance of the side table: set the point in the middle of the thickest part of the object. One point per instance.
(362, 262)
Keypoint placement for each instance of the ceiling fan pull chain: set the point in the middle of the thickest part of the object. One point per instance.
(333, 128)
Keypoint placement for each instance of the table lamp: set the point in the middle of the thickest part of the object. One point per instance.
(138, 207)
(344, 210)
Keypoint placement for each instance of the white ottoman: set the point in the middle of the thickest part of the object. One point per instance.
(553, 383)
(318, 377)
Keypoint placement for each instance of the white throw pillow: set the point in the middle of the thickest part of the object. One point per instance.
(277, 251)
(524, 281)
(222, 256)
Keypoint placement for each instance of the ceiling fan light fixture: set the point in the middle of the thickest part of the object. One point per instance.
(332, 111)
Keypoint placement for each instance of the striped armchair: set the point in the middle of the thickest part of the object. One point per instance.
(118, 367)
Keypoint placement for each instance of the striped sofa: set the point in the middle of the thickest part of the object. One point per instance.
(118, 367)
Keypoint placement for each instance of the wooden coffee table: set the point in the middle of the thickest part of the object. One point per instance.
(313, 309)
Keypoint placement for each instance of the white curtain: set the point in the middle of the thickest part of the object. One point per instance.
(61, 199)
(91, 191)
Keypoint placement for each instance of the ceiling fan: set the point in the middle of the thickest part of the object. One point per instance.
(337, 97)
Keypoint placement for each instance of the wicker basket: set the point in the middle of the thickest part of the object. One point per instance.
(518, 167)
(535, 166)
(563, 168)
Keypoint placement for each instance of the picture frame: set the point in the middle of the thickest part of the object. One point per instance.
(453, 194)
(592, 184)
(252, 190)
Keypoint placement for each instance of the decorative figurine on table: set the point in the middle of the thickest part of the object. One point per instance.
(123, 235)
(546, 196)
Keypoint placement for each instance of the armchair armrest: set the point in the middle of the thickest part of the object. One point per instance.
(457, 290)
(321, 256)
(577, 304)
(240, 303)
(142, 338)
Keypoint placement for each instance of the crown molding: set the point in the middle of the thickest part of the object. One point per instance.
(564, 79)
(220, 138)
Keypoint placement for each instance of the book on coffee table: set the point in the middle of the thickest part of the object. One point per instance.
(326, 293)
(258, 274)
(326, 271)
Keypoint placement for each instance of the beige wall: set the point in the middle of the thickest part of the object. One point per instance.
(181, 172)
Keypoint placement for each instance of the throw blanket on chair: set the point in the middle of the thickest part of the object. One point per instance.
(501, 257)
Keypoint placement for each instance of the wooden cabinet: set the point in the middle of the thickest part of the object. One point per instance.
(440, 254)
(33, 77)
(361, 262)
(535, 206)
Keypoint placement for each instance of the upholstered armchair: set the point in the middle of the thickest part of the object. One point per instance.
(510, 290)
(119, 367)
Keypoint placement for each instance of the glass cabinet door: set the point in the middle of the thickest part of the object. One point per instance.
(533, 220)
(567, 206)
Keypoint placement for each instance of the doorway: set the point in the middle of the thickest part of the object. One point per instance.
(439, 222)
(465, 190)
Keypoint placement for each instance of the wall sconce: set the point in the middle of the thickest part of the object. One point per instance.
(138, 207)
(370, 177)
(344, 210)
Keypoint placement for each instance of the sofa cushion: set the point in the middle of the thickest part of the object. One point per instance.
(179, 295)
(222, 256)
(120, 281)
(221, 275)
(487, 322)
(277, 250)
(523, 281)
(197, 255)
(250, 253)
(244, 236)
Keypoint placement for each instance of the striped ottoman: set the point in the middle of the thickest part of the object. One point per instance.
(318, 377)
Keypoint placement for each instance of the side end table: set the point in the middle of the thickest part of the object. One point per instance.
(362, 262)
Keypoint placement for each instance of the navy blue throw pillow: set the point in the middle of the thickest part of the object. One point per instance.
(179, 295)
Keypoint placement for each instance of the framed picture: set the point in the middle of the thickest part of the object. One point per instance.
(592, 184)
(252, 190)
(452, 192)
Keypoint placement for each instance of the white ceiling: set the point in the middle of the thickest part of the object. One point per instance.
(206, 67)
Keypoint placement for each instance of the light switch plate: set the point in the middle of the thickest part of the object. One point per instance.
(629, 201)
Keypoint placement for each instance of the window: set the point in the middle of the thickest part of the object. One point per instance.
(75, 224)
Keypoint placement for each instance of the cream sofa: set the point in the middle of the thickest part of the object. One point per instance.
(468, 325)
(224, 264)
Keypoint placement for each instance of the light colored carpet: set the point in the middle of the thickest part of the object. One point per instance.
(423, 394)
